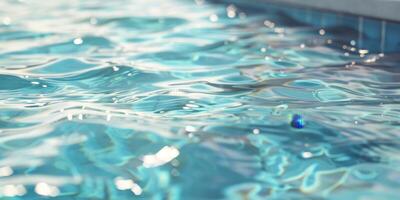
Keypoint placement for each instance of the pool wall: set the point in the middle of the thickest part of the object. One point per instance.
(374, 34)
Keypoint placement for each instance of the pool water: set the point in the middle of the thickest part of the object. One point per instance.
(191, 100)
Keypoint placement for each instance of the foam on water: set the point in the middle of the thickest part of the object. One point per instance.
(190, 100)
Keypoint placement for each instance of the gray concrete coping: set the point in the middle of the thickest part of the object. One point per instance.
(382, 9)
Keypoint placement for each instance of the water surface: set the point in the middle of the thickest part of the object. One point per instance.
(179, 99)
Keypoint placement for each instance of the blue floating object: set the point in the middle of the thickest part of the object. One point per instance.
(297, 121)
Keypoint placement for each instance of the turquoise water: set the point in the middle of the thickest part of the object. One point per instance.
(179, 99)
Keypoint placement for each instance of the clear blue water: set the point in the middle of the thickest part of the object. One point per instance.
(179, 99)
